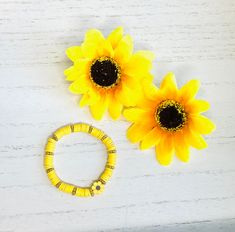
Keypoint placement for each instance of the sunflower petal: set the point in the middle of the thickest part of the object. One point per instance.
(131, 82)
(98, 109)
(181, 146)
(74, 53)
(164, 151)
(169, 86)
(89, 50)
(197, 106)
(189, 90)
(123, 51)
(105, 49)
(137, 131)
(138, 66)
(89, 98)
(71, 73)
(146, 54)
(83, 66)
(93, 39)
(202, 124)
(115, 108)
(85, 100)
(79, 86)
(151, 91)
(169, 82)
(93, 36)
(134, 114)
(196, 140)
(183, 152)
(126, 96)
(151, 139)
(115, 36)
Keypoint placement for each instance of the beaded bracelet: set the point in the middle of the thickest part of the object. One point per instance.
(98, 185)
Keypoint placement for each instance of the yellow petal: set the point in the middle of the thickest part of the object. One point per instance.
(98, 109)
(197, 106)
(89, 98)
(189, 90)
(150, 90)
(138, 66)
(135, 114)
(164, 151)
(181, 146)
(71, 73)
(123, 51)
(137, 131)
(150, 97)
(82, 67)
(93, 36)
(196, 140)
(92, 41)
(146, 54)
(89, 50)
(79, 86)
(151, 139)
(115, 108)
(169, 86)
(125, 95)
(115, 36)
(74, 53)
(105, 49)
(169, 82)
(131, 82)
(183, 153)
(85, 100)
(202, 124)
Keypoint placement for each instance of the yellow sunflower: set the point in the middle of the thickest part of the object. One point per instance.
(106, 72)
(169, 118)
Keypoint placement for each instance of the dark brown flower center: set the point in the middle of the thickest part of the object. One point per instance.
(170, 115)
(105, 72)
(97, 187)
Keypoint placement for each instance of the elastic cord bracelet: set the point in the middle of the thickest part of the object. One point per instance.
(98, 185)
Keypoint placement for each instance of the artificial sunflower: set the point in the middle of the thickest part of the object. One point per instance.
(106, 72)
(97, 187)
(169, 118)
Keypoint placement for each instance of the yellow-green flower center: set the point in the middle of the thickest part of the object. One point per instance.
(105, 72)
(170, 115)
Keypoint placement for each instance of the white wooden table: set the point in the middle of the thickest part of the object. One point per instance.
(193, 38)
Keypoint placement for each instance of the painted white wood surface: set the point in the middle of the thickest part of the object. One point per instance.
(191, 38)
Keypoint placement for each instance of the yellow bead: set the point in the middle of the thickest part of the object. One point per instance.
(62, 131)
(68, 188)
(67, 130)
(84, 127)
(55, 179)
(108, 172)
(95, 132)
(77, 127)
(109, 145)
(80, 192)
(87, 192)
(98, 133)
(104, 178)
(62, 186)
(106, 175)
(48, 161)
(51, 174)
(50, 146)
(112, 158)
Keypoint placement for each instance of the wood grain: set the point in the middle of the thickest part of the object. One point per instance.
(191, 38)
